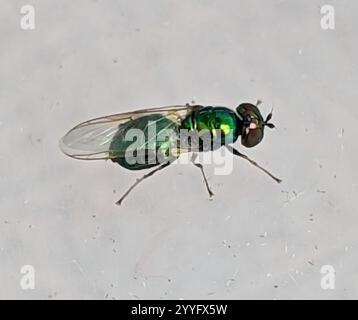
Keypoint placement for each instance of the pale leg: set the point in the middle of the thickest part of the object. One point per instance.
(200, 166)
(139, 180)
(239, 154)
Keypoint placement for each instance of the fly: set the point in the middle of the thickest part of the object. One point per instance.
(107, 137)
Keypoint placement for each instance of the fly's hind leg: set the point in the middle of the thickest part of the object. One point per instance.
(139, 180)
(200, 166)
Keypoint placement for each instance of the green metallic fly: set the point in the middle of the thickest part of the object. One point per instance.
(106, 137)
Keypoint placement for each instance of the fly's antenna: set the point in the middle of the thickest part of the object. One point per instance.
(268, 118)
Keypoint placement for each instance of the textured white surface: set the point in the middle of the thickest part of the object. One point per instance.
(256, 239)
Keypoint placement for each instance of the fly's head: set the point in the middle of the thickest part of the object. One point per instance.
(253, 124)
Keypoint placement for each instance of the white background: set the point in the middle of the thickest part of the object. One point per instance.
(256, 239)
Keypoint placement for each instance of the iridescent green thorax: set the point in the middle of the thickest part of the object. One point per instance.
(221, 122)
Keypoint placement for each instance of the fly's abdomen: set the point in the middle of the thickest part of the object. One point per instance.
(215, 123)
(144, 142)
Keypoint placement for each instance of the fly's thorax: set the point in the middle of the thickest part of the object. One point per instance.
(217, 124)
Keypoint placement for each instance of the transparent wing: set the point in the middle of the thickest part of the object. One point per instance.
(91, 140)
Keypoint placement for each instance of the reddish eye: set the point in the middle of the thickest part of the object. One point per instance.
(252, 135)
(252, 125)
(253, 130)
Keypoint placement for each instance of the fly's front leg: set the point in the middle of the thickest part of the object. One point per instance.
(239, 154)
(200, 166)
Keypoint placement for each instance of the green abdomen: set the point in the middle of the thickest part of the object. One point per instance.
(144, 142)
(220, 122)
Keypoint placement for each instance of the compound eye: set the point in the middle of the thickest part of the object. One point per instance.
(253, 124)
(252, 134)
(248, 111)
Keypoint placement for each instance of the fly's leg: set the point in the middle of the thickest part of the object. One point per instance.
(200, 166)
(239, 154)
(139, 180)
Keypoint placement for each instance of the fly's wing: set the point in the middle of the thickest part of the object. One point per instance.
(91, 140)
